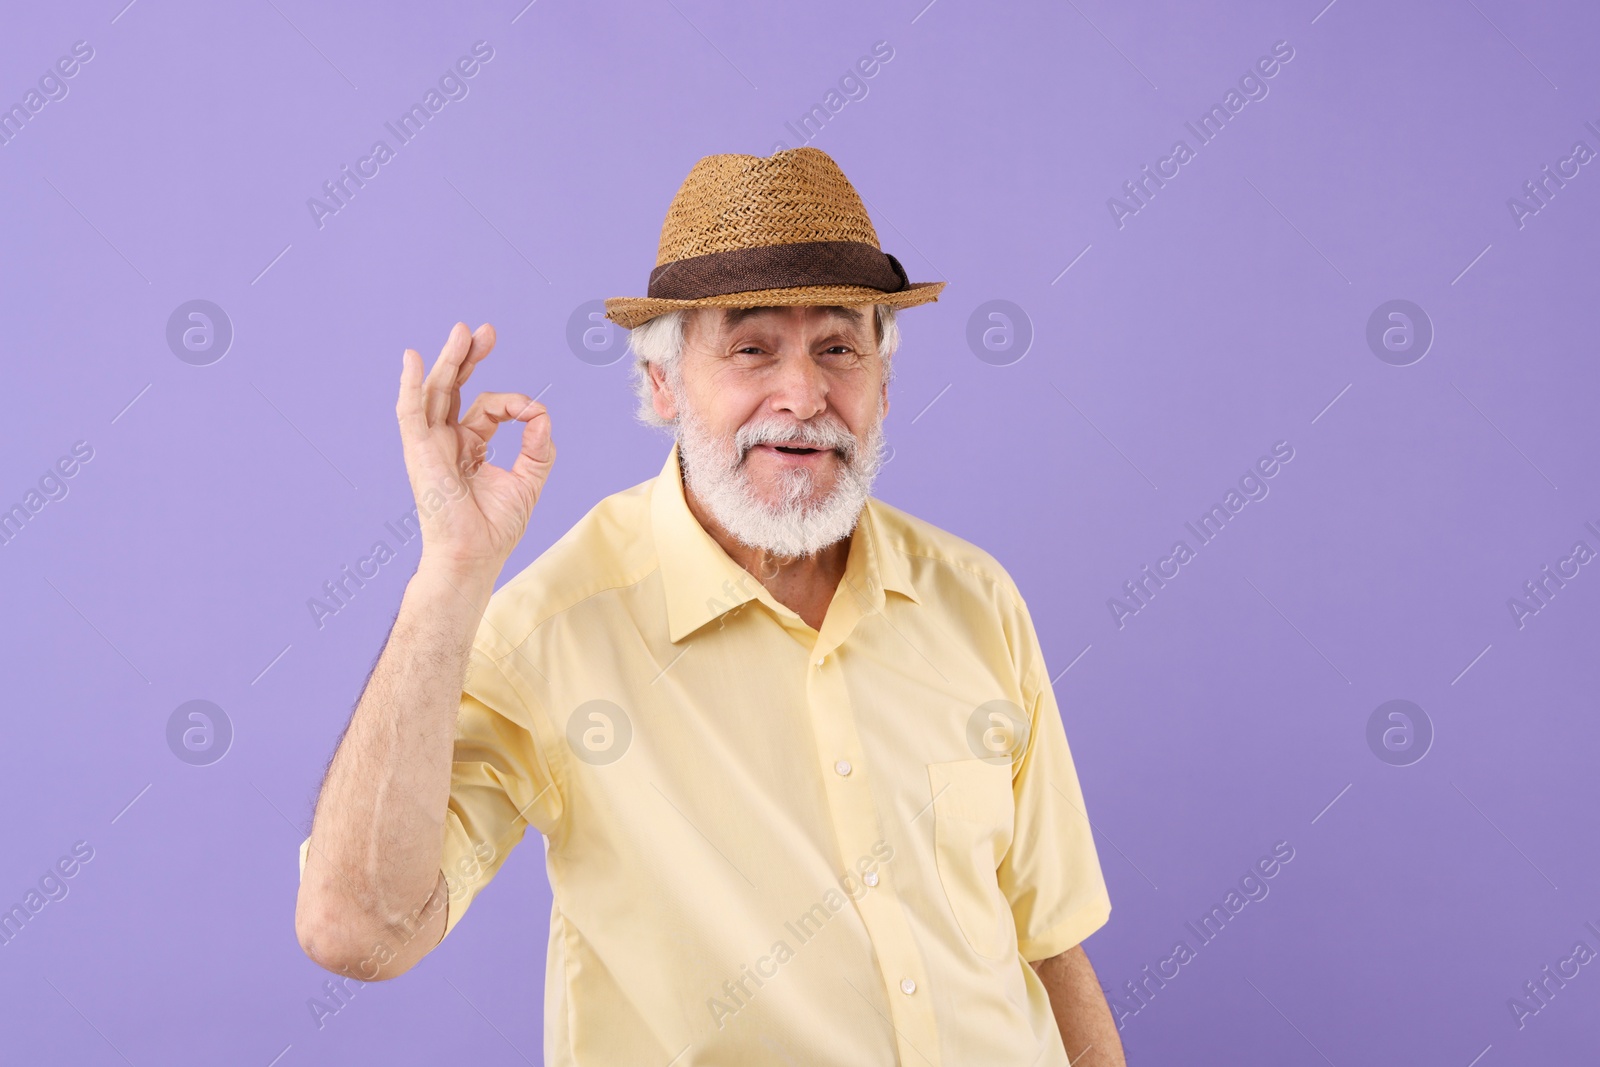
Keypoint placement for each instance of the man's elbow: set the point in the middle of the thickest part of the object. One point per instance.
(346, 946)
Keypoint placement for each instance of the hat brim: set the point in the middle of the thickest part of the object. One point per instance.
(631, 311)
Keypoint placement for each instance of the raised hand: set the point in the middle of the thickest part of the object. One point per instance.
(472, 513)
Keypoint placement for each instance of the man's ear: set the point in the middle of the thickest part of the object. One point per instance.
(883, 402)
(661, 398)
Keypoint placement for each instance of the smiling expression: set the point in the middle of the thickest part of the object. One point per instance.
(795, 392)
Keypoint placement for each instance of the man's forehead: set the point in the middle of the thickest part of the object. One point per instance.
(733, 317)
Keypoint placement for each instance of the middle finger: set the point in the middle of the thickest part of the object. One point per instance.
(482, 344)
(439, 391)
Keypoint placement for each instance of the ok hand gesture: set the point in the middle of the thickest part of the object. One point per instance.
(472, 513)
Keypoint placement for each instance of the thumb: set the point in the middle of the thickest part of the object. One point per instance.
(537, 454)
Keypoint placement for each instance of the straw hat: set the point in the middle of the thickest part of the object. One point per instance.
(781, 230)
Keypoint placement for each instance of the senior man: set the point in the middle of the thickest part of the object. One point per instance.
(803, 784)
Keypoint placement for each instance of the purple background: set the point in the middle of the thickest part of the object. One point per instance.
(1228, 314)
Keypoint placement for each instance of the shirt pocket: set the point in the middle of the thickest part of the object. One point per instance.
(973, 813)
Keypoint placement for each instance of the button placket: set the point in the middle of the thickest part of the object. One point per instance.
(857, 827)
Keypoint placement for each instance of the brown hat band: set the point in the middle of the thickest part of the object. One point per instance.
(778, 267)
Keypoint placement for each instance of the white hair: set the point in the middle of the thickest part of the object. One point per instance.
(661, 339)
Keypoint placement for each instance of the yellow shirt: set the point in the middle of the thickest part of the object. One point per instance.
(766, 843)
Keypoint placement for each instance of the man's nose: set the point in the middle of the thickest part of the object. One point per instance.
(801, 388)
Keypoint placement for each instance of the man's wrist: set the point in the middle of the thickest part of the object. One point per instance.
(472, 579)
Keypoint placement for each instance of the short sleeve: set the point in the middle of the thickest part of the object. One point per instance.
(500, 780)
(1051, 875)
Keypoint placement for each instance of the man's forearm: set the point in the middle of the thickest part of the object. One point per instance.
(376, 839)
(1087, 1029)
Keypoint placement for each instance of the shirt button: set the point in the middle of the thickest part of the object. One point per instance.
(871, 878)
(843, 766)
(907, 986)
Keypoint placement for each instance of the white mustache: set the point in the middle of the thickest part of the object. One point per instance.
(830, 435)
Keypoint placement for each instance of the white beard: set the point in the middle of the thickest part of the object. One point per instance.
(715, 470)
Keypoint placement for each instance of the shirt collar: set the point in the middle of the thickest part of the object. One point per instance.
(702, 582)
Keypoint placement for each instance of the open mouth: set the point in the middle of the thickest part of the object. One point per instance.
(806, 455)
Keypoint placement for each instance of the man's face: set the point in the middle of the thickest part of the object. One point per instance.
(779, 413)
